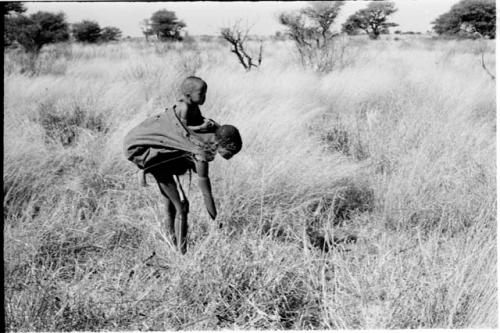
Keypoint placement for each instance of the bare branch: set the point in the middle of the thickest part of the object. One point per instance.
(237, 36)
(259, 61)
(472, 29)
(485, 68)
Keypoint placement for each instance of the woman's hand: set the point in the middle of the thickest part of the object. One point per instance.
(204, 183)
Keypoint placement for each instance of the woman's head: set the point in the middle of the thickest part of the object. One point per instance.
(229, 141)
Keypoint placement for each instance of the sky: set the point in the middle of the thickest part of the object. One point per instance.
(207, 17)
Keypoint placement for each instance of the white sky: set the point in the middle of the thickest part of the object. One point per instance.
(207, 17)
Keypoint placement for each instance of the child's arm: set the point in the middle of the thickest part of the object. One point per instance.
(205, 187)
(207, 126)
(181, 109)
(182, 112)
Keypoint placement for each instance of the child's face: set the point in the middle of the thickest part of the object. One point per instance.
(198, 95)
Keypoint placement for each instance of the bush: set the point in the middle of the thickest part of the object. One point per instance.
(86, 31)
(66, 127)
(318, 47)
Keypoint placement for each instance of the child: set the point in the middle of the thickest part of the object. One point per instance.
(194, 92)
(166, 147)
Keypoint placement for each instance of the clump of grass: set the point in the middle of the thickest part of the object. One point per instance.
(344, 142)
(191, 62)
(336, 140)
(51, 60)
(348, 199)
(163, 48)
(63, 253)
(127, 236)
(66, 127)
(25, 191)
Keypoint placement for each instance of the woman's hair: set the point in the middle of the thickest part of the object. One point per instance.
(229, 138)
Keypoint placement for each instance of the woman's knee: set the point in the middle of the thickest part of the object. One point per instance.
(169, 205)
(183, 207)
(168, 189)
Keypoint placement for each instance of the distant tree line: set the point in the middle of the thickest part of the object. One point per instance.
(468, 18)
(319, 47)
(38, 29)
(308, 27)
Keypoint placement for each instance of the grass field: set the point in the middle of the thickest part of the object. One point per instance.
(362, 198)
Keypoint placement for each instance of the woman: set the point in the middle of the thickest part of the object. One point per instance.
(164, 147)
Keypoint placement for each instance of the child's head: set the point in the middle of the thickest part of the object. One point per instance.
(194, 90)
(229, 141)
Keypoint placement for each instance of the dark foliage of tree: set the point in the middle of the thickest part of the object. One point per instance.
(37, 30)
(166, 25)
(12, 7)
(468, 18)
(372, 19)
(10, 11)
(110, 34)
(86, 31)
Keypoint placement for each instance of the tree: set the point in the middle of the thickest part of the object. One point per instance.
(13, 7)
(109, 34)
(237, 37)
(372, 19)
(468, 17)
(39, 29)
(310, 29)
(10, 11)
(166, 25)
(86, 31)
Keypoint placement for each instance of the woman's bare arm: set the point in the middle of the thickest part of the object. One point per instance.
(205, 187)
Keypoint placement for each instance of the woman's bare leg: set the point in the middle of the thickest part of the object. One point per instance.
(170, 222)
(168, 188)
(182, 224)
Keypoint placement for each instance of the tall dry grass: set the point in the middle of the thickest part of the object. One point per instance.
(363, 198)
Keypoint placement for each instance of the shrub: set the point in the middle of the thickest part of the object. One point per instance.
(86, 31)
(310, 29)
(66, 127)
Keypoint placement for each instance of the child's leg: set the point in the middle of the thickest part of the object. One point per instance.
(168, 188)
